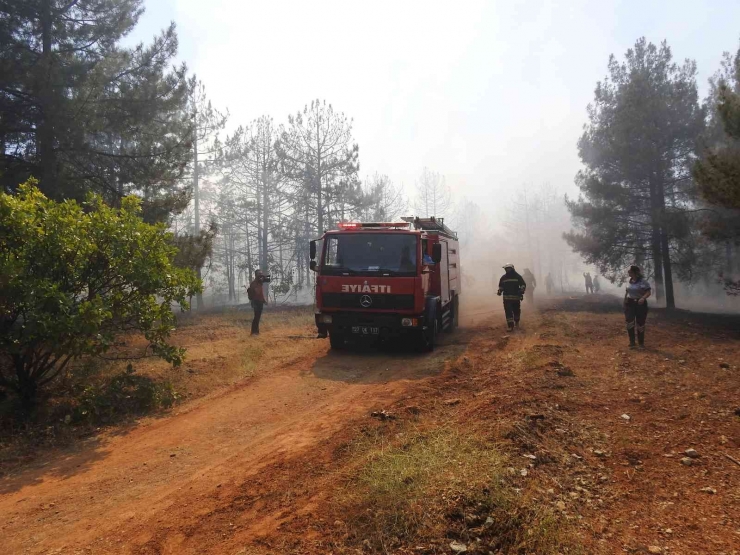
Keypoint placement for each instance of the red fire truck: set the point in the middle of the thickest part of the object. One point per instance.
(384, 280)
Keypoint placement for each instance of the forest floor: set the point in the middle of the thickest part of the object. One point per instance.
(552, 439)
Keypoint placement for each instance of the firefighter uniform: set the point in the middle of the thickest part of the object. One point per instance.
(512, 287)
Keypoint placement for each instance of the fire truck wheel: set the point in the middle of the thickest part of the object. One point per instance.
(336, 341)
(456, 313)
(428, 337)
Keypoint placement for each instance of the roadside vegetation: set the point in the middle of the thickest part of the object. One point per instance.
(450, 486)
(113, 390)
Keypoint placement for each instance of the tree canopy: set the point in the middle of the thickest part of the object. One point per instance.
(717, 172)
(82, 113)
(637, 195)
(74, 276)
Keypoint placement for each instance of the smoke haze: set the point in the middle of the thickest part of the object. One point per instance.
(491, 95)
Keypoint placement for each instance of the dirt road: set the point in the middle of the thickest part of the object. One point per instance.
(118, 492)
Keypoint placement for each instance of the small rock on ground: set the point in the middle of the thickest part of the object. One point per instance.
(458, 547)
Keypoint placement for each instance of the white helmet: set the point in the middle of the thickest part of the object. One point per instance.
(509, 265)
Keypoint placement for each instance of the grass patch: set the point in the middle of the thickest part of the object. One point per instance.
(436, 487)
(526, 359)
(250, 359)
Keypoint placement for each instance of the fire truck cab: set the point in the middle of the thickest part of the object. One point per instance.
(385, 280)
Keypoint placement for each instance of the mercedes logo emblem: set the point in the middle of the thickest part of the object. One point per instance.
(366, 301)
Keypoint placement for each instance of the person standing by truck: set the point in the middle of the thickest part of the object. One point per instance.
(256, 295)
(512, 287)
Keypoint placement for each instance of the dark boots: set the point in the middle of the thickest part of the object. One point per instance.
(641, 339)
(631, 333)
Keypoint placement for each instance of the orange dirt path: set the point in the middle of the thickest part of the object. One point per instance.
(114, 494)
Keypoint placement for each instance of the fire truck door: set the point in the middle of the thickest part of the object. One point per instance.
(444, 275)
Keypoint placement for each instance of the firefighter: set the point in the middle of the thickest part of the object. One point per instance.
(512, 286)
(589, 283)
(635, 305)
(530, 283)
(549, 284)
(256, 295)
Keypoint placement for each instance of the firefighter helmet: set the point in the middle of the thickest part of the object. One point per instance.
(509, 265)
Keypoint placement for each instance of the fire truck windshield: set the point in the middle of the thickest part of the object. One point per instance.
(370, 254)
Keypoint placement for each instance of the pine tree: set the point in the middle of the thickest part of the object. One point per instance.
(637, 194)
(433, 196)
(383, 201)
(717, 173)
(207, 121)
(316, 151)
(82, 113)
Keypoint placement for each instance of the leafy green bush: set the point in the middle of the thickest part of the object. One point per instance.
(125, 394)
(73, 277)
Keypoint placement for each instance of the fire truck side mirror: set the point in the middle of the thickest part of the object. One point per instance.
(312, 265)
(437, 253)
(312, 249)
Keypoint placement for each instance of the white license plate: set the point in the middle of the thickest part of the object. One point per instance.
(365, 330)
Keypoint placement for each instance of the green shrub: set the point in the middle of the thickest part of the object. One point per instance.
(124, 394)
(73, 277)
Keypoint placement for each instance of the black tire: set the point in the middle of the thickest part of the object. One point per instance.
(428, 337)
(336, 340)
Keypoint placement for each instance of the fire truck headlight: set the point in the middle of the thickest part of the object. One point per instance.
(326, 318)
(409, 322)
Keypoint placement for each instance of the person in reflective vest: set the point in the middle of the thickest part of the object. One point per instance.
(512, 287)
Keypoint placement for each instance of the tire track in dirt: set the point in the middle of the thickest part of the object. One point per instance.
(122, 491)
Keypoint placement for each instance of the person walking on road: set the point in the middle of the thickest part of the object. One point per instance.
(549, 284)
(256, 295)
(512, 286)
(531, 283)
(636, 306)
(589, 283)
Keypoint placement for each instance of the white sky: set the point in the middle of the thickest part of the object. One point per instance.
(491, 94)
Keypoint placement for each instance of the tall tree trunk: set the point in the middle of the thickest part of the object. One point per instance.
(196, 203)
(258, 223)
(250, 267)
(265, 220)
(47, 155)
(670, 301)
(655, 239)
(657, 255)
(232, 282)
(729, 262)
(319, 206)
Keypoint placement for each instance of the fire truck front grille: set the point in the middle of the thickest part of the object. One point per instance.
(359, 301)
